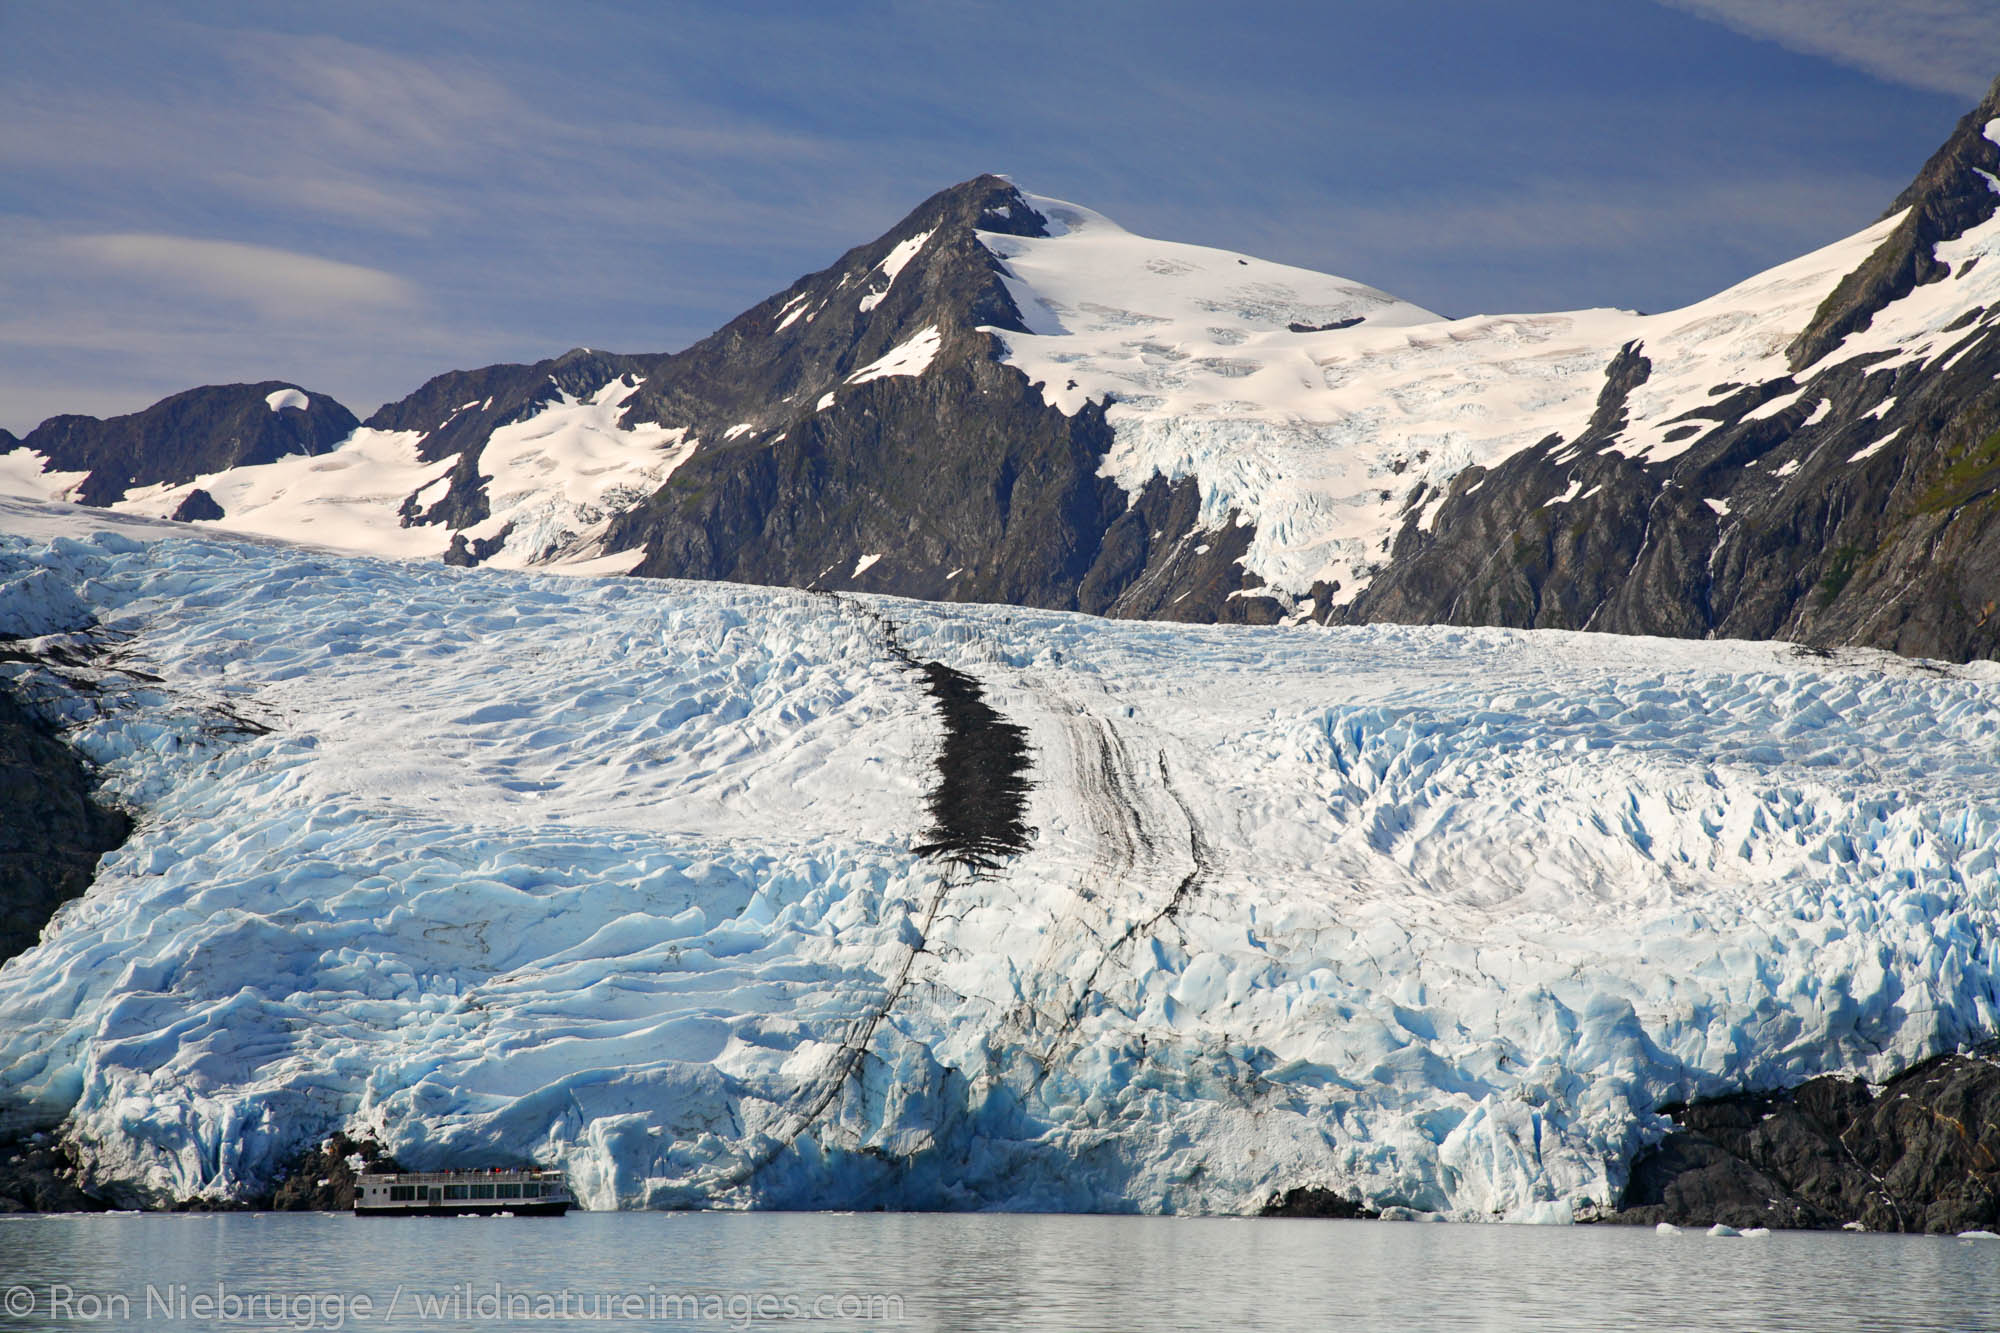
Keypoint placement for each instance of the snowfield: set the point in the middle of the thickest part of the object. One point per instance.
(1326, 412)
(617, 876)
(552, 482)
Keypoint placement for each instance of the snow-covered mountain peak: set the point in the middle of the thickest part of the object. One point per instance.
(1327, 414)
(1148, 306)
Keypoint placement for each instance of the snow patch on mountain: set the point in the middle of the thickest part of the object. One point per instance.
(910, 357)
(283, 398)
(892, 266)
(348, 498)
(610, 875)
(565, 471)
(791, 310)
(23, 473)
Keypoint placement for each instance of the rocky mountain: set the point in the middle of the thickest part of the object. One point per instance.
(872, 436)
(1846, 489)
(210, 430)
(1009, 398)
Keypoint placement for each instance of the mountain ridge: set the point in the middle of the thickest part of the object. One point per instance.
(1009, 398)
(1860, 484)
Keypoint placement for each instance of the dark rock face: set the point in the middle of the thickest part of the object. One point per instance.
(1947, 199)
(177, 439)
(53, 830)
(198, 506)
(1924, 1155)
(324, 1180)
(1313, 1201)
(963, 483)
(961, 470)
(465, 555)
(1818, 540)
(38, 1174)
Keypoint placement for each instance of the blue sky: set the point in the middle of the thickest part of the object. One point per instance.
(355, 198)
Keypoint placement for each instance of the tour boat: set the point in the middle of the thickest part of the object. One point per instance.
(530, 1193)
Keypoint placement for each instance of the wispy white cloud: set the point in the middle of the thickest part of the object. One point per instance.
(340, 197)
(1944, 46)
(636, 178)
(324, 129)
(270, 280)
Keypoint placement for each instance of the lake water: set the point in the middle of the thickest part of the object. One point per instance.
(964, 1273)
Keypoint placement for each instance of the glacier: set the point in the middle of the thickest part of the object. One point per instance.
(619, 876)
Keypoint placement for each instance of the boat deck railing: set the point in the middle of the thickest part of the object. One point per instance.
(466, 1177)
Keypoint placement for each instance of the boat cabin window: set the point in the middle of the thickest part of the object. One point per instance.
(508, 1191)
(402, 1194)
(457, 1191)
(482, 1191)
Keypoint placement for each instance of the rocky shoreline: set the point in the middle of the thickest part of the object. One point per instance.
(1919, 1154)
(38, 1174)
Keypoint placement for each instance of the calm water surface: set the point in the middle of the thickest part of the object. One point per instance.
(962, 1273)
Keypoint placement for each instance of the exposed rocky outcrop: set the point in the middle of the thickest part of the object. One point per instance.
(197, 506)
(1920, 1154)
(963, 481)
(38, 1174)
(1779, 526)
(191, 434)
(1949, 197)
(1315, 1201)
(465, 554)
(326, 1178)
(54, 828)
